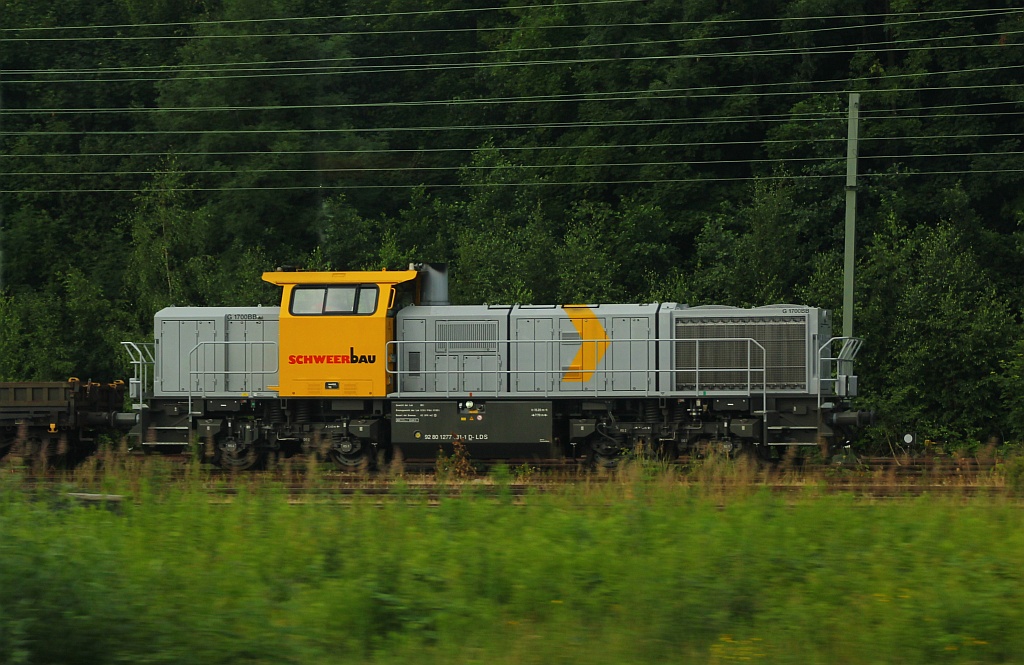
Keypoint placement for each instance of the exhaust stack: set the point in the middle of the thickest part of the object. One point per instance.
(433, 283)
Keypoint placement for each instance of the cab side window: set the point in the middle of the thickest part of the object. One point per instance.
(367, 301)
(334, 300)
(340, 300)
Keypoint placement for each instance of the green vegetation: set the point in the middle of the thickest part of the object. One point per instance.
(644, 570)
(563, 152)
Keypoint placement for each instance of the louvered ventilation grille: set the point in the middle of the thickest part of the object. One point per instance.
(723, 365)
(468, 336)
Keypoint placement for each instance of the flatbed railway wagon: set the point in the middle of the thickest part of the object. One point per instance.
(55, 418)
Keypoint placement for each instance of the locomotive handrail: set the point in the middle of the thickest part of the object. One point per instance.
(143, 356)
(599, 374)
(844, 360)
(248, 374)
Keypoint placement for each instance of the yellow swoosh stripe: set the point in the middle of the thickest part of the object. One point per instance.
(593, 348)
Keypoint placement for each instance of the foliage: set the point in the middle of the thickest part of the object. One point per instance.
(936, 330)
(692, 152)
(607, 573)
(1010, 380)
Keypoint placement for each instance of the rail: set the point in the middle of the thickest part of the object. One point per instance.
(199, 376)
(142, 361)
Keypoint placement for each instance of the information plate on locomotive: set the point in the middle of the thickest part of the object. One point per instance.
(469, 420)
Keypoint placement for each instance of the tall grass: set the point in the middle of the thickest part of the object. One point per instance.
(649, 568)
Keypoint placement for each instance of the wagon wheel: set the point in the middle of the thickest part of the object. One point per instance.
(7, 438)
(57, 452)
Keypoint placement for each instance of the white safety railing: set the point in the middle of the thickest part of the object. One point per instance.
(142, 361)
(836, 366)
(601, 377)
(601, 380)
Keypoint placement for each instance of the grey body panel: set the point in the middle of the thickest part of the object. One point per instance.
(446, 350)
(215, 351)
(548, 357)
(655, 350)
(523, 351)
(782, 359)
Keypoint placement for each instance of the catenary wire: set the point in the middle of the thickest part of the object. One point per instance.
(470, 167)
(432, 12)
(647, 181)
(392, 69)
(235, 66)
(691, 93)
(645, 95)
(804, 116)
(954, 12)
(561, 125)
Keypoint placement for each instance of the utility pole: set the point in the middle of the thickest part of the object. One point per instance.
(2, 226)
(852, 135)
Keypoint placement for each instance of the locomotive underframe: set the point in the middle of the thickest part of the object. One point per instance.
(351, 432)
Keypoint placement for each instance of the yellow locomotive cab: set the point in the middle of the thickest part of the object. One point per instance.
(334, 330)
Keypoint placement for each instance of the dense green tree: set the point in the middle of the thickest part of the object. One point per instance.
(754, 254)
(606, 151)
(269, 136)
(936, 329)
(171, 260)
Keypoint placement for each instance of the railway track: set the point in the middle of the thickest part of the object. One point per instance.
(302, 479)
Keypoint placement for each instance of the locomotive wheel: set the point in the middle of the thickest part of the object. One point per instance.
(666, 451)
(237, 457)
(765, 454)
(604, 456)
(349, 454)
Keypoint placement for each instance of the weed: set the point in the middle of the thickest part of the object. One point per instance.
(653, 567)
(456, 466)
(1013, 473)
(524, 473)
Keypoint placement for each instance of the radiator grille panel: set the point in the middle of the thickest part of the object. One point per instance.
(724, 365)
(466, 336)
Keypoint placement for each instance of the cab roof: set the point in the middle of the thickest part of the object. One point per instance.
(281, 278)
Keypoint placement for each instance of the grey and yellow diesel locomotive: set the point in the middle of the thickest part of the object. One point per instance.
(344, 366)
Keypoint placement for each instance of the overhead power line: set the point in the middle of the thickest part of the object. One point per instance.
(666, 93)
(320, 63)
(568, 124)
(289, 19)
(540, 183)
(838, 158)
(331, 70)
(937, 14)
(796, 117)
